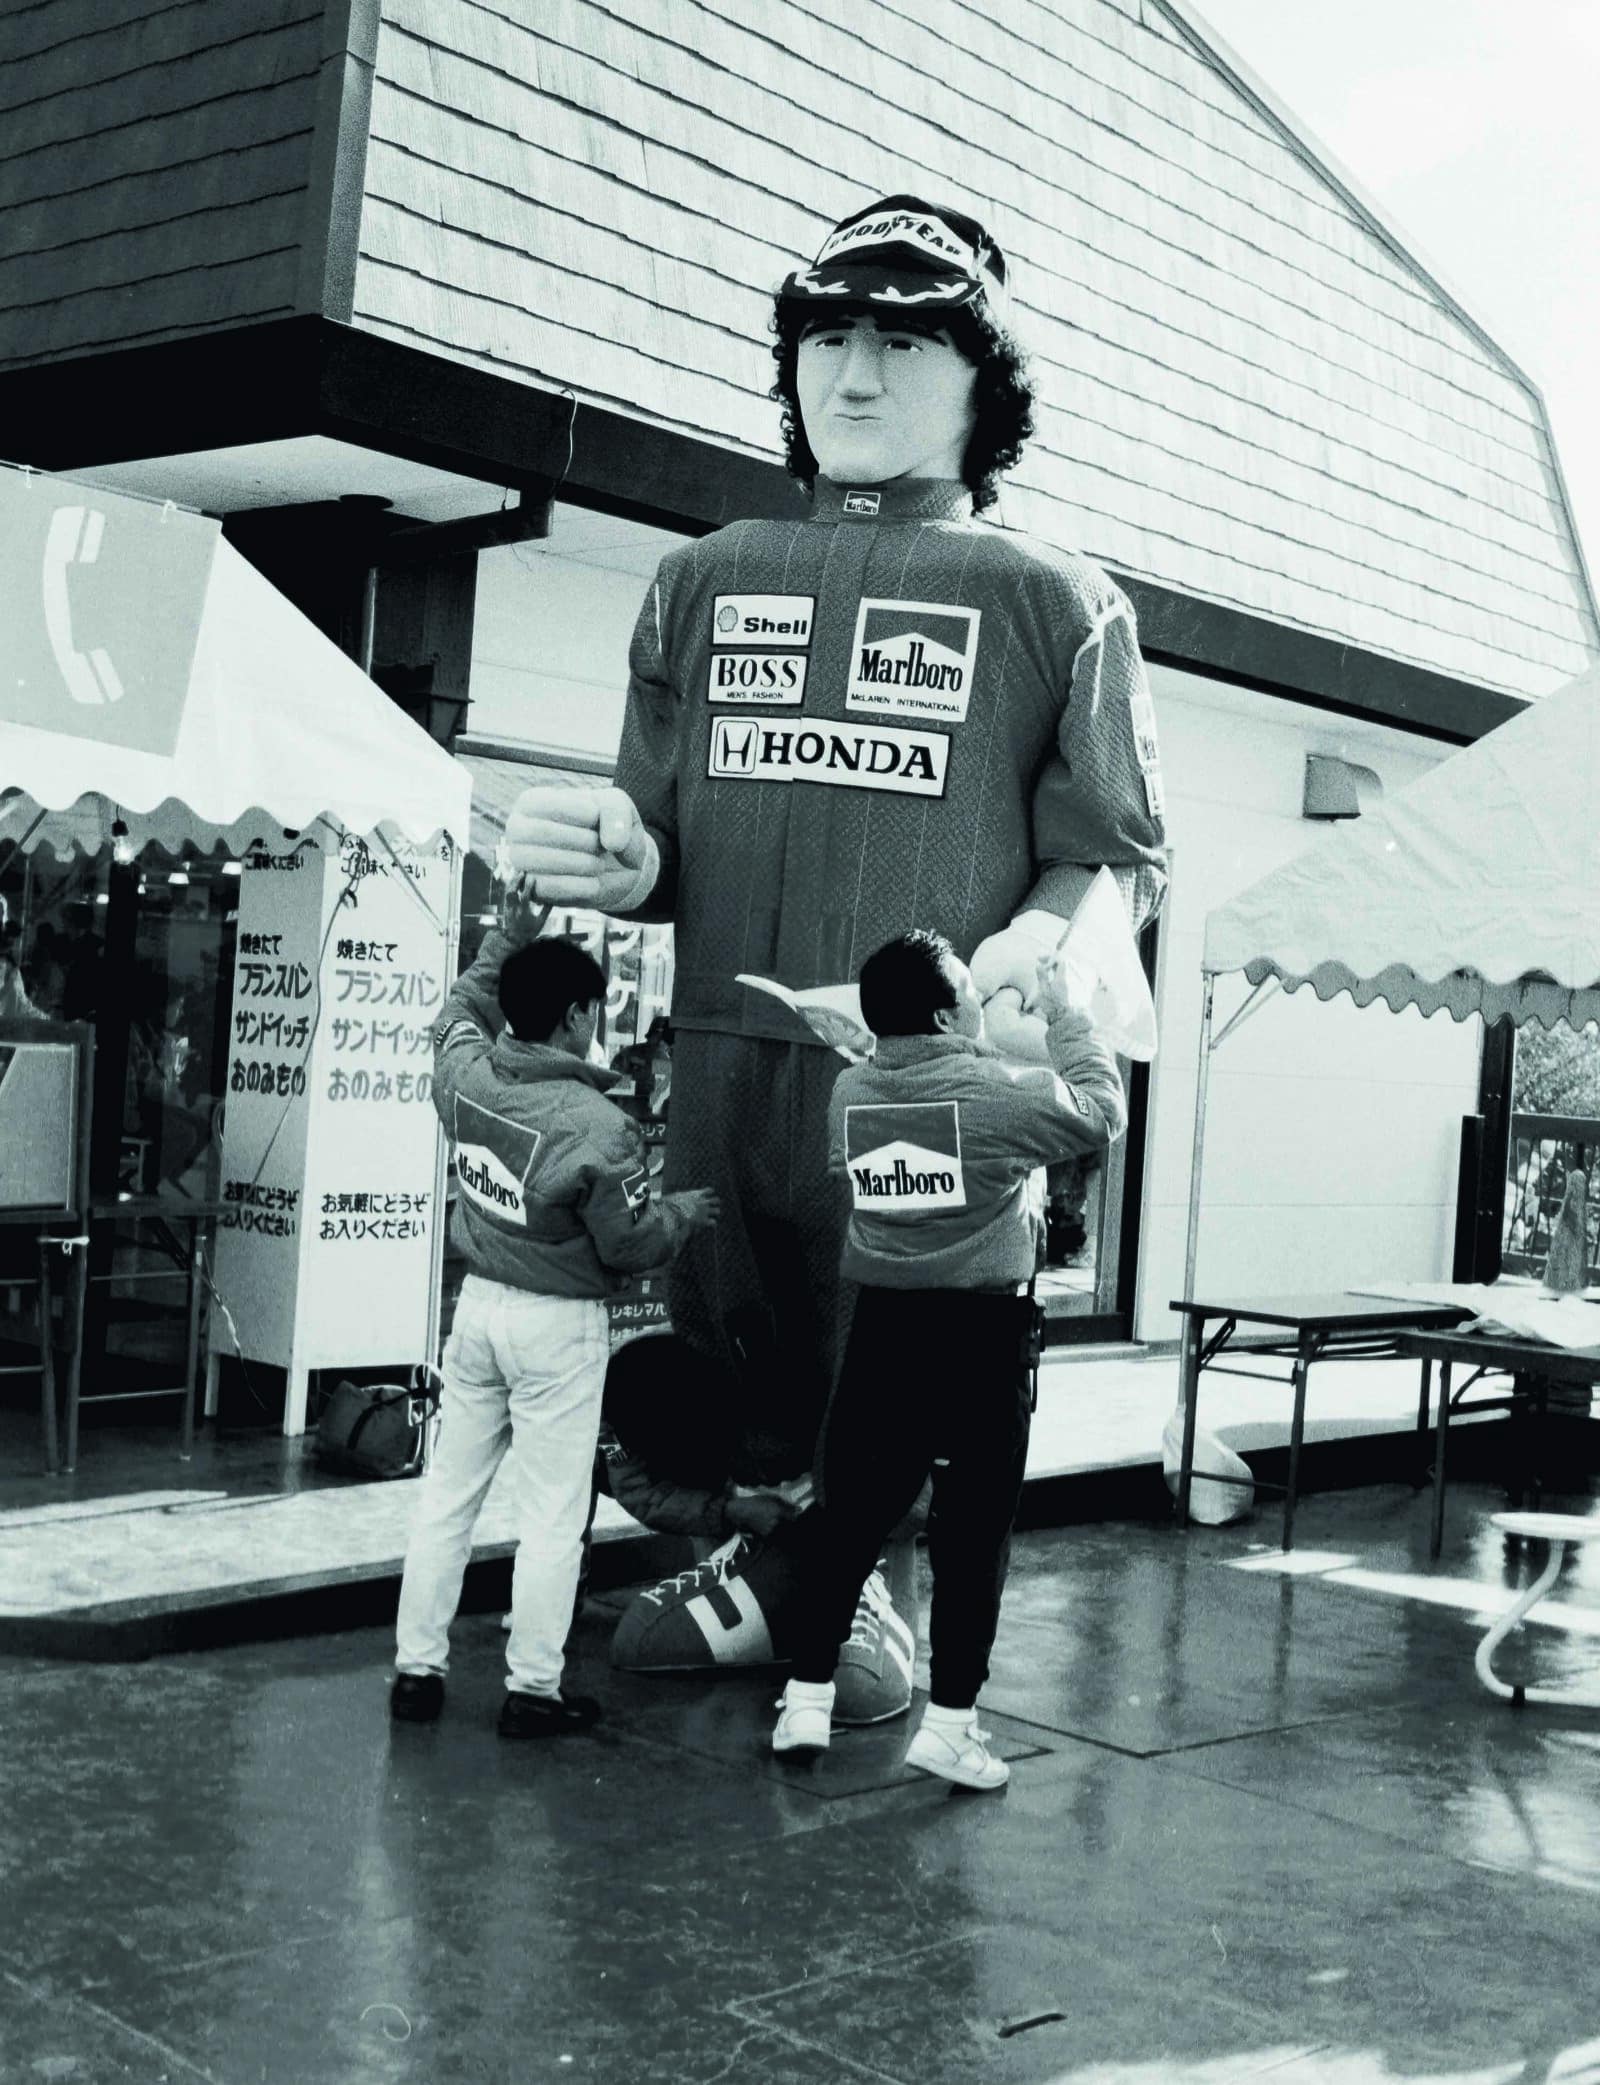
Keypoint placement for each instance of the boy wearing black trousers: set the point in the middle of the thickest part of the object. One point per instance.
(941, 1143)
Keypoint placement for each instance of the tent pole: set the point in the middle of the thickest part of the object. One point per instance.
(1197, 1154)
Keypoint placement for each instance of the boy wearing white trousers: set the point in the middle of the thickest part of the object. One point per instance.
(554, 1209)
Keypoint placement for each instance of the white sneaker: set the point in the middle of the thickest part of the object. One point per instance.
(960, 1755)
(803, 1726)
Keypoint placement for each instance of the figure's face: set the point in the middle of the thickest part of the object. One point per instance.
(966, 1016)
(880, 403)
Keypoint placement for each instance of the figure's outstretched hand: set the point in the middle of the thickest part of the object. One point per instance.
(585, 847)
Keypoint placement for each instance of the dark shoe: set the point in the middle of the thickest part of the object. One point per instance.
(546, 1715)
(416, 1697)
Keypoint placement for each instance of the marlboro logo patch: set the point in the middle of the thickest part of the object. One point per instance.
(904, 1159)
(913, 659)
(494, 1157)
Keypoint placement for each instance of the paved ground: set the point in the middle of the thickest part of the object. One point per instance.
(1260, 1823)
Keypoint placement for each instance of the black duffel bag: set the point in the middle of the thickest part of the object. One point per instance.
(378, 1429)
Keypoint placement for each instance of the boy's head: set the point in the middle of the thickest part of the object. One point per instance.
(918, 985)
(551, 992)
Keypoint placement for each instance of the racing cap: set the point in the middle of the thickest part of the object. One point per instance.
(903, 254)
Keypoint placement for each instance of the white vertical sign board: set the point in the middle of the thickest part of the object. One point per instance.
(282, 899)
(366, 1282)
(331, 1148)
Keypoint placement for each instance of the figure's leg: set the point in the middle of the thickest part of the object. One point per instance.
(474, 1429)
(761, 1291)
(715, 1276)
(553, 1351)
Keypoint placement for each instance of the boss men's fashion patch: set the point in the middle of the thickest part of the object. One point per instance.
(905, 1157)
(841, 756)
(914, 659)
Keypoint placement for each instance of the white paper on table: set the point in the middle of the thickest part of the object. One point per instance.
(832, 1012)
(1516, 1308)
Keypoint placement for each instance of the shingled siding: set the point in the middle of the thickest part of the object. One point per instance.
(1250, 395)
(153, 168)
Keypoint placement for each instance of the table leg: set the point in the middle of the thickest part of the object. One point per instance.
(47, 1361)
(1484, 1659)
(1424, 1400)
(1297, 1428)
(1189, 1383)
(1441, 1438)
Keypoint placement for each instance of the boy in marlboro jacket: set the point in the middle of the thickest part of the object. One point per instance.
(554, 1210)
(941, 1144)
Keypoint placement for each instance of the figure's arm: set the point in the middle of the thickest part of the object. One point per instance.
(647, 761)
(614, 850)
(1098, 801)
(1097, 804)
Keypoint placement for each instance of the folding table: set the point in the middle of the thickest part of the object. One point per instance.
(1312, 1327)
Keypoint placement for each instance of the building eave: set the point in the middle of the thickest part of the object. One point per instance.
(288, 379)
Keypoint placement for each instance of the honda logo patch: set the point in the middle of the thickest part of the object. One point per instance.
(837, 755)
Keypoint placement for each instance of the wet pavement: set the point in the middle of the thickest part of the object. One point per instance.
(1261, 1822)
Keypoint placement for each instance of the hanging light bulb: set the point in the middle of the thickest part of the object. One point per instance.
(122, 847)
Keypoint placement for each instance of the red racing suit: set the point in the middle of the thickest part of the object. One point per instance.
(886, 715)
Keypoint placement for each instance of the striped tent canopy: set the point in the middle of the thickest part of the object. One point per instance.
(1476, 889)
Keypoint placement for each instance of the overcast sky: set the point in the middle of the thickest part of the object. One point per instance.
(1473, 125)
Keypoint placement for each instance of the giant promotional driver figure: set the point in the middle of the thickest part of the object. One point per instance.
(884, 715)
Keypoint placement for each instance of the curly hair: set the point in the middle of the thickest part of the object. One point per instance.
(1003, 398)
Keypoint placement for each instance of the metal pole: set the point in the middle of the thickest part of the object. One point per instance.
(1197, 1155)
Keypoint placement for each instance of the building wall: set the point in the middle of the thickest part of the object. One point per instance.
(1332, 1132)
(1252, 395)
(154, 168)
(552, 628)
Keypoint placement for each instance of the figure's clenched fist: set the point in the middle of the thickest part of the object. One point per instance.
(584, 847)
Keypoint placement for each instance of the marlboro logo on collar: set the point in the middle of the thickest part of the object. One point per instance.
(862, 502)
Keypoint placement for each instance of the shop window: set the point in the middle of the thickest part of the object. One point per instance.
(144, 952)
